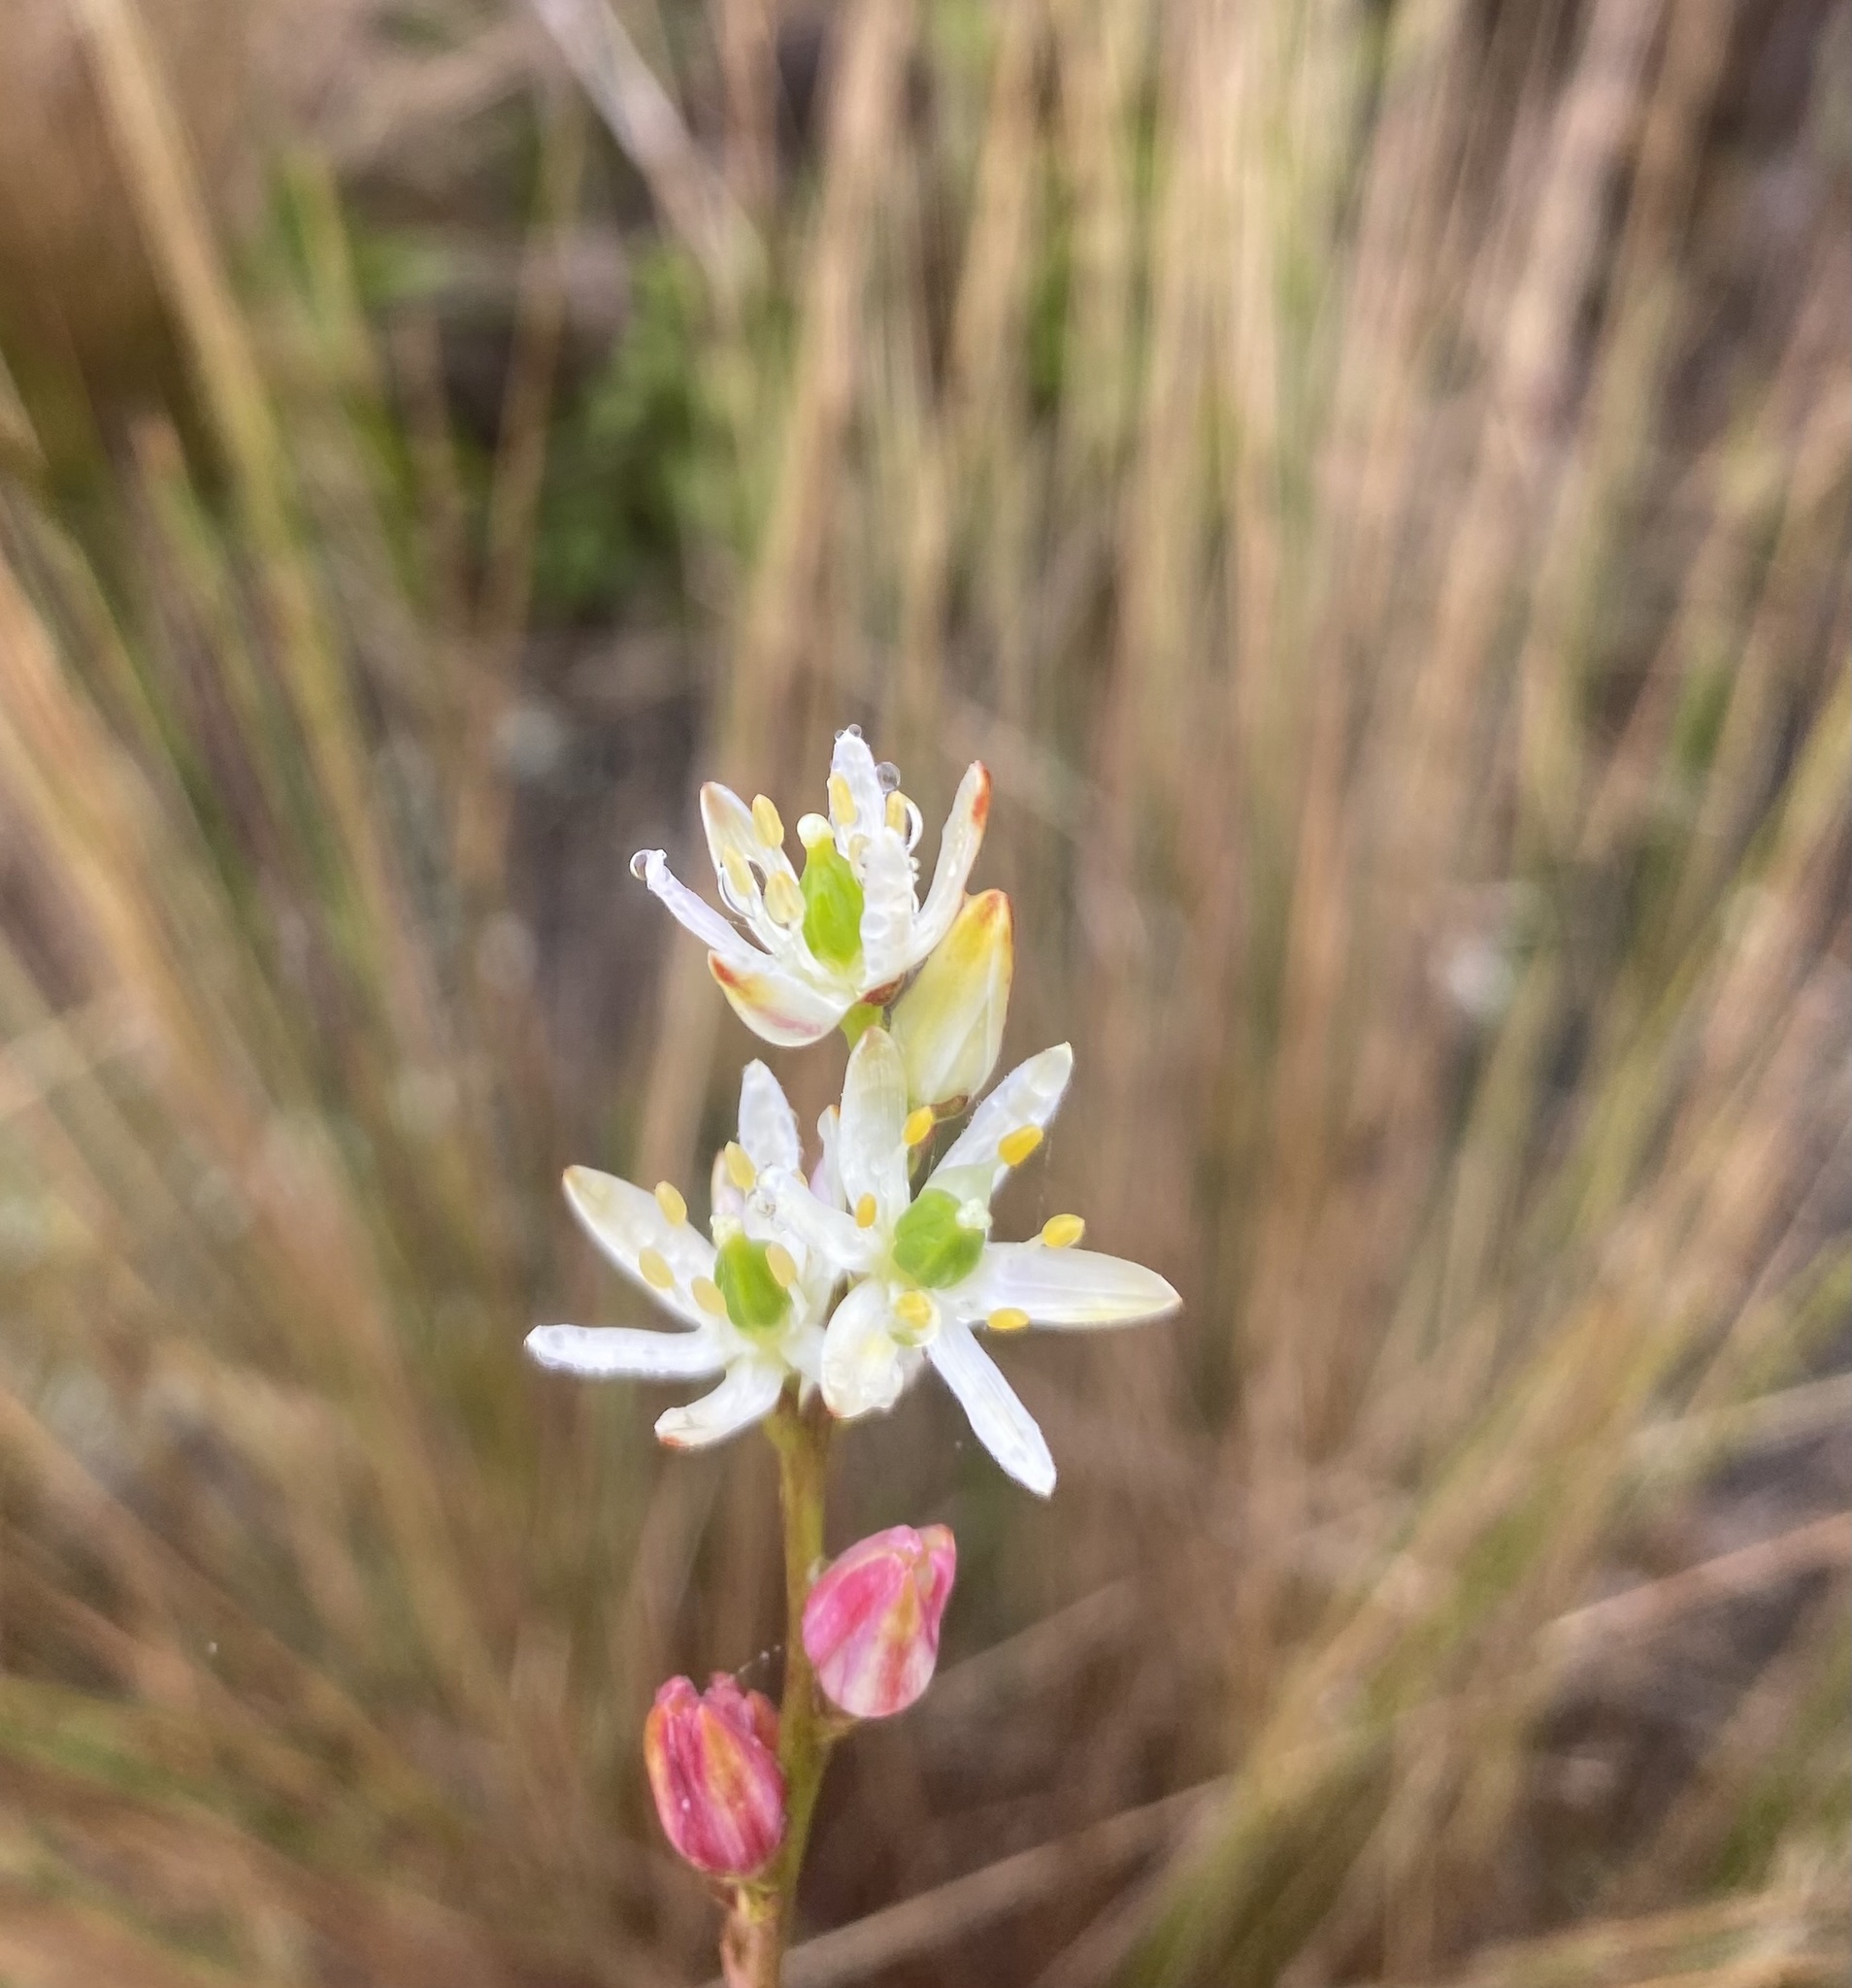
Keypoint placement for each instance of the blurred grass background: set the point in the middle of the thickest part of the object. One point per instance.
(1372, 479)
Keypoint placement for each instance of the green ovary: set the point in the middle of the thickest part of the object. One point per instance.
(930, 1245)
(832, 908)
(756, 1301)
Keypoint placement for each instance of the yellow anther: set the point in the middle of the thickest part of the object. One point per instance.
(782, 897)
(897, 812)
(1008, 1318)
(866, 1212)
(842, 800)
(768, 821)
(857, 848)
(1016, 1146)
(779, 1261)
(707, 1294)
(916, 1309)
(1063, 1232)
(739, 1170)
(813, 829)
(655, 1269)
(669, 1199)
(918, 1128)
(739, 873)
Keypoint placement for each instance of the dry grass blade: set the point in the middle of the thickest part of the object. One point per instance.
(1374, 483)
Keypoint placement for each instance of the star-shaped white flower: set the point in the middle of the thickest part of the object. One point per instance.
(753, 1298)
(929, 1277)
(852, 926)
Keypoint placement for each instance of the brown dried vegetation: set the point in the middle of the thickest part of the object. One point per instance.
(1372, 482)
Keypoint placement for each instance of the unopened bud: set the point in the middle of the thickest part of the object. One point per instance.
(949, 1023)
(714, 1768)
(871, 1626)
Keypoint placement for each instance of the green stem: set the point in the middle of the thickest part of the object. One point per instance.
(802, 1439)
(753, 1947)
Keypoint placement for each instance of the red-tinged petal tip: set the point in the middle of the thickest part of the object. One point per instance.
(780, 1011)
(991, 907)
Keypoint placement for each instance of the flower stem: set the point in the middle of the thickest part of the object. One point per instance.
(753, 1948)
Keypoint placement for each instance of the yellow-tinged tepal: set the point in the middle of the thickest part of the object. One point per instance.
(949, 1024)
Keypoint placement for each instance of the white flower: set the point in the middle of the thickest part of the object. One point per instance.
(929, 1276)
(752, 1299)
(852, 926)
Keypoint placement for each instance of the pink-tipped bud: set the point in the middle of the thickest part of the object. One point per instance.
(871, 1626)
(714, 1768)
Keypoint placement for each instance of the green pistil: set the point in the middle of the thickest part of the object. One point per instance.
(832, 908)
(756, 1301)
(932, 1246)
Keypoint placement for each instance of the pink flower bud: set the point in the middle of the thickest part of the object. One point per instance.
(713, 1769)
(871, 1626)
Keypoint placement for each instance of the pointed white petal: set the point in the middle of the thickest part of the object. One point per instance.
(889, 909)
(728, 825)
(602, 1352)
(998, 1419)
(871, 1150)
(1073, 1287)
(695, 913)
(776, 1006)
(728, 822)
(749, 1393)
(768, 1125)
(826, 1177)
(863, 1370)
(958, 846)
(1030, 1095)
(733, 832)
(853, 760)
(625, 1221)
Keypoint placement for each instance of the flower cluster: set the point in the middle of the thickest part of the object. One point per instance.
(852, 1273)
(840, 1275)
